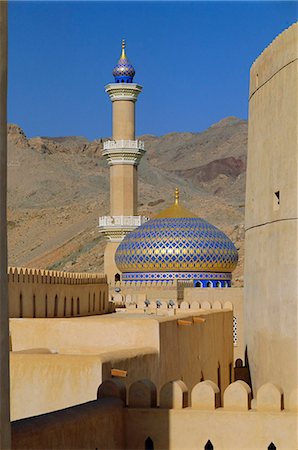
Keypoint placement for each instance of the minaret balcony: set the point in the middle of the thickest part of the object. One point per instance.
(123, 151)
(123, 91)
(116, 227)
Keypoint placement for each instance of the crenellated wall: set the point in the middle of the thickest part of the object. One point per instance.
(63, 361)
(182, 419)
(47, 293)
(195, 299)
(134, 292)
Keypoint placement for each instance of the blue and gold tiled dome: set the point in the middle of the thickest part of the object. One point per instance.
(177, 245)
(123, 71)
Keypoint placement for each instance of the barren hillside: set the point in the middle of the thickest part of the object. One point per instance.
(57, 188)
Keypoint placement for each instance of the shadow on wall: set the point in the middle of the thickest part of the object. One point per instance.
(139, 418)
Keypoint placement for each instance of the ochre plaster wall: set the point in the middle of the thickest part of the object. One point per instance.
(46, 293)
(190, 429)
(137, 293)
(158, 348)
(193, 419)
(271, 262)
(191, 351)
(224, 298)
(97, 424)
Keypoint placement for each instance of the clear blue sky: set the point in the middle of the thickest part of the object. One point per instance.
(192, 58)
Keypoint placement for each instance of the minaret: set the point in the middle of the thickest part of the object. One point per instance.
(123, 154)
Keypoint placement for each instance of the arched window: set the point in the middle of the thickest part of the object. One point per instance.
(117, 277)
(198, 284)
(78, 306)
(209, 284)
(209, 446)
(271, 446)
(218, 284)
(71, 307)
(64, 307)
(93, 309)
(149, 445)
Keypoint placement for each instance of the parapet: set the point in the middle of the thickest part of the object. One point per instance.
(27, 275)
(282, 51)
(48, 293)
(205, 396)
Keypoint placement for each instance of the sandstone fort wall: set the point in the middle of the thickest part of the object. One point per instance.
(46, 293)
(105, 423)
(271, 224)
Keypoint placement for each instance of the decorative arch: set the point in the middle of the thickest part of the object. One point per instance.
(198, 284)
(117, 277)
(209, 284)
(112, 388)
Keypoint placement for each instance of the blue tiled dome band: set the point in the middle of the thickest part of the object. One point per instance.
(176, 245)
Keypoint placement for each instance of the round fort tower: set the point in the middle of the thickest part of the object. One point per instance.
(123, 153)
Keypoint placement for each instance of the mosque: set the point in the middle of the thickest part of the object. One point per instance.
(210, 368)
(175, 245)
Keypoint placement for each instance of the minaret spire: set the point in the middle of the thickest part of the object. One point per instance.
(123, 154)
(123, 54)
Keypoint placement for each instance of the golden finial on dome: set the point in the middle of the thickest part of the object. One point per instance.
(176, 210)
(123, 54)
(177, 196)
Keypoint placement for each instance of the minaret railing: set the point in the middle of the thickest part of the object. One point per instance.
(122, 143)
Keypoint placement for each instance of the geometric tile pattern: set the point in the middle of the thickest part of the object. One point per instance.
(123, 71)
(170, 276)
(235, 337)
(176, 245)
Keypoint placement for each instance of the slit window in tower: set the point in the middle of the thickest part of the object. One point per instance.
(276, 200)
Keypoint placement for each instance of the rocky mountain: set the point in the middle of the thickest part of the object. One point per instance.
(58, 186)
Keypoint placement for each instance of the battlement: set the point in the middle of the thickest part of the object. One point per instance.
(204, 396)
(49, 293)
(43, 276)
